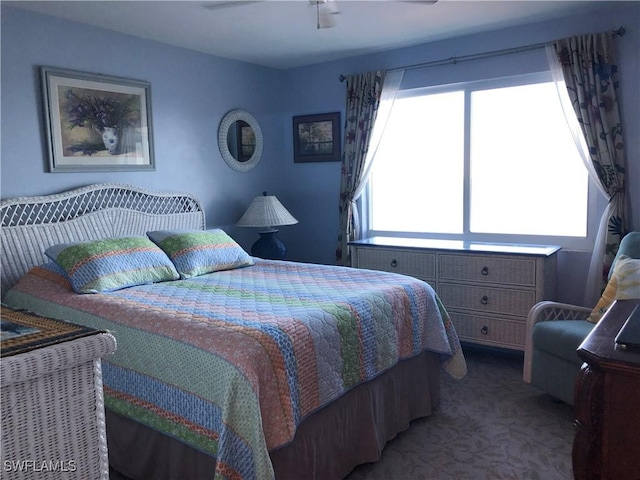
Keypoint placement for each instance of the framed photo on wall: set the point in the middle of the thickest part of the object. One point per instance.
(316, 138)
(96, 122)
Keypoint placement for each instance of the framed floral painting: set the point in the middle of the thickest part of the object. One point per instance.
(96, 122)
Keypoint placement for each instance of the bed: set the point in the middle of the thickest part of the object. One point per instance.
(255, 369)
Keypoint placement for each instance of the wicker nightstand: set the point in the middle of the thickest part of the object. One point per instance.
(52, 402)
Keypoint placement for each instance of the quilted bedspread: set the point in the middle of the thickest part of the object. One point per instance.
(231, 362)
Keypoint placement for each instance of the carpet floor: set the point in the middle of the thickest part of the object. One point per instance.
(489, 425)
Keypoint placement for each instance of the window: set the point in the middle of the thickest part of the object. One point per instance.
(486, 161)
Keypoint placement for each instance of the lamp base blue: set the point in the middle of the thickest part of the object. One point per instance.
(269, 246)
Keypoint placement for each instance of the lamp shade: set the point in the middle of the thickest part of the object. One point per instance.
(266, 211)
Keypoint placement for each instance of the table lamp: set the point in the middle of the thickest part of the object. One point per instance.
(266, 211)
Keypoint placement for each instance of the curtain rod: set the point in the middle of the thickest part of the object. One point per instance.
(476, 56)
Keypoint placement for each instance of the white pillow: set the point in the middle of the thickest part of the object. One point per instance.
(627, 272)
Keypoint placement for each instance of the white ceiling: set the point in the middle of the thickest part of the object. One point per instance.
(283, 34)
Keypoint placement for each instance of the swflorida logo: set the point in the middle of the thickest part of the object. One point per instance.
(35, 466)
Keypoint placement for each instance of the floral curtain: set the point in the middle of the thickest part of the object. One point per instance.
(370, 98)
(363, 100)
(590, 73)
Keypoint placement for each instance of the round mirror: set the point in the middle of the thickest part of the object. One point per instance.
(240, 140)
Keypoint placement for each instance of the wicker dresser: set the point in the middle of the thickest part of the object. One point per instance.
(53, 423)
(487, 289)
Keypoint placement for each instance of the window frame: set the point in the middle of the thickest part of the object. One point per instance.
(596, 200)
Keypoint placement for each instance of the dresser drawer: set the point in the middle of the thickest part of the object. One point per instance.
(491, 269)
(486, 299)
(412, 263)
(489, 331)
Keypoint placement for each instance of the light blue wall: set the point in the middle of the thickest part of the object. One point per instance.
(317, 89)
(192, 91)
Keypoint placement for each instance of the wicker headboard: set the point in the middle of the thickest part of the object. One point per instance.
(31, 224)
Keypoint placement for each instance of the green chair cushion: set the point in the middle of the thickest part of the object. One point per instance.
(561, 337)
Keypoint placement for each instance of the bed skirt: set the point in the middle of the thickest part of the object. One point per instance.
(328, 444)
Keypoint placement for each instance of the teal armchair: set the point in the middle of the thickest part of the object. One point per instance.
(554, 333)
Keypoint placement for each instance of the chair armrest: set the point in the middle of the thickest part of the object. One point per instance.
(544, 312)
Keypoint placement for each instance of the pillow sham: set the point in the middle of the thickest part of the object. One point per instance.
(624, 284)
(112, 263)
(196, 252)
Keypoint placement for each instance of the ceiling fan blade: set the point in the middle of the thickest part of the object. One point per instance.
(218, 5)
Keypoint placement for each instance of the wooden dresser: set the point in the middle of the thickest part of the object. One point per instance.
(488, 289)
(607, 403)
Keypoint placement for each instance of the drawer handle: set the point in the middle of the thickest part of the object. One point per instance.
(484, 300)
(484, 330)
(394, 263)
(484, 271)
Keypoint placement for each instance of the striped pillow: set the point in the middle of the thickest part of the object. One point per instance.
(112, 263)
(196, 252)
